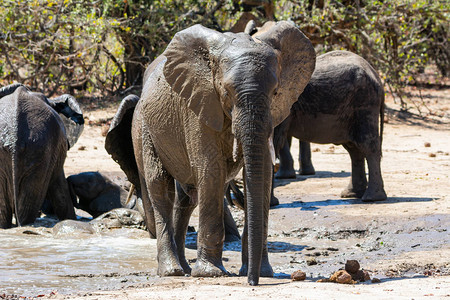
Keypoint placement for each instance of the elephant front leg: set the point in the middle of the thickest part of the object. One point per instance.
(286, 169)
(211, 227)
(304, 161)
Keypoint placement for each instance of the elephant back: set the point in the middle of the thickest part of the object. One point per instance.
(118, 142)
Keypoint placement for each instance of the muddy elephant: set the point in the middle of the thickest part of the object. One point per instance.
(208, 107)
(342, 104)
(96, 194)
(117, 134)
(33, 148)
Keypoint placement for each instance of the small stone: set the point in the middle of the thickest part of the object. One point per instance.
(311, 262)
(81, 148)
(352, 266)
(427, 144)
(298, 276)
(376, 280)
(432, 155)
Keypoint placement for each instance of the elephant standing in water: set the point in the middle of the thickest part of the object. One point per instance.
(208, 107)
(33, 148)
(342, 104)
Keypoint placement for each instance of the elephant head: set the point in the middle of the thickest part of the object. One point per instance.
(71, 115)
(251, 81)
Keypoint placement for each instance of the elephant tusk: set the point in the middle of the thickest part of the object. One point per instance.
(272, 149)
(130, 193)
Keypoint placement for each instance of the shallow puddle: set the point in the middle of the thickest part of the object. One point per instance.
(39, 264)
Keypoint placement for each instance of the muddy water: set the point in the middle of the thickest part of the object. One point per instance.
(37, 262)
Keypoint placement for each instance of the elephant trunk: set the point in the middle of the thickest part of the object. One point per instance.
(252, 128)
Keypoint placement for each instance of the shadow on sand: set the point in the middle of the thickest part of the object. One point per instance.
(315, 205)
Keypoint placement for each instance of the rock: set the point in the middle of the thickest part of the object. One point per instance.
(342, 277)
(298, 276)
(311, 262)
(376, 280)
(352, 266)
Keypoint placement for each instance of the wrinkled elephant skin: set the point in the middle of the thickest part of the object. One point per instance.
(208, 107)
(343, 104)
(33, 147)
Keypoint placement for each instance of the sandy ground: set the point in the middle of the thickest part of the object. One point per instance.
(403, 241)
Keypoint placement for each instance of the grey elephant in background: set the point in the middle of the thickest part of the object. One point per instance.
(33, 148)
(208, 108)
(96, 194)
(342, 104)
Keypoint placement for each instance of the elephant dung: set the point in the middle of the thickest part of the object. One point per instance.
(352, 266)
(342, 277)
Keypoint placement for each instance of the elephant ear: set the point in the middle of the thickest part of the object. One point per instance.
(70, 112)
(9, 89)
(297, 60)
(118, 141)
(188, 70)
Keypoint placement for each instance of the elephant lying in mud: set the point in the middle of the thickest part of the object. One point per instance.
(113, 219)
(342, 104)
(96, 194)
(208, 108)
(34, 141)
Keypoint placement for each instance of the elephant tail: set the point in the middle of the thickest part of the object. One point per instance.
(382, 107)
(118, 141)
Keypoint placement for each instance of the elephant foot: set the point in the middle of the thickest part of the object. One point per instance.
(209, 263)
(274, 201)
(351, 193)
(284, 173)
(374, 195)
(207, 269)
(307, 170)
(170, 269)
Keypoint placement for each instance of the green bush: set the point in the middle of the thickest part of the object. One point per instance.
(102, 47)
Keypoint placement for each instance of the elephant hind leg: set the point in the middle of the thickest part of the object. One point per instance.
(183, 209)
(161, 189)
(358, 181)
(5, 209)
(375, 189)
(60, 196)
